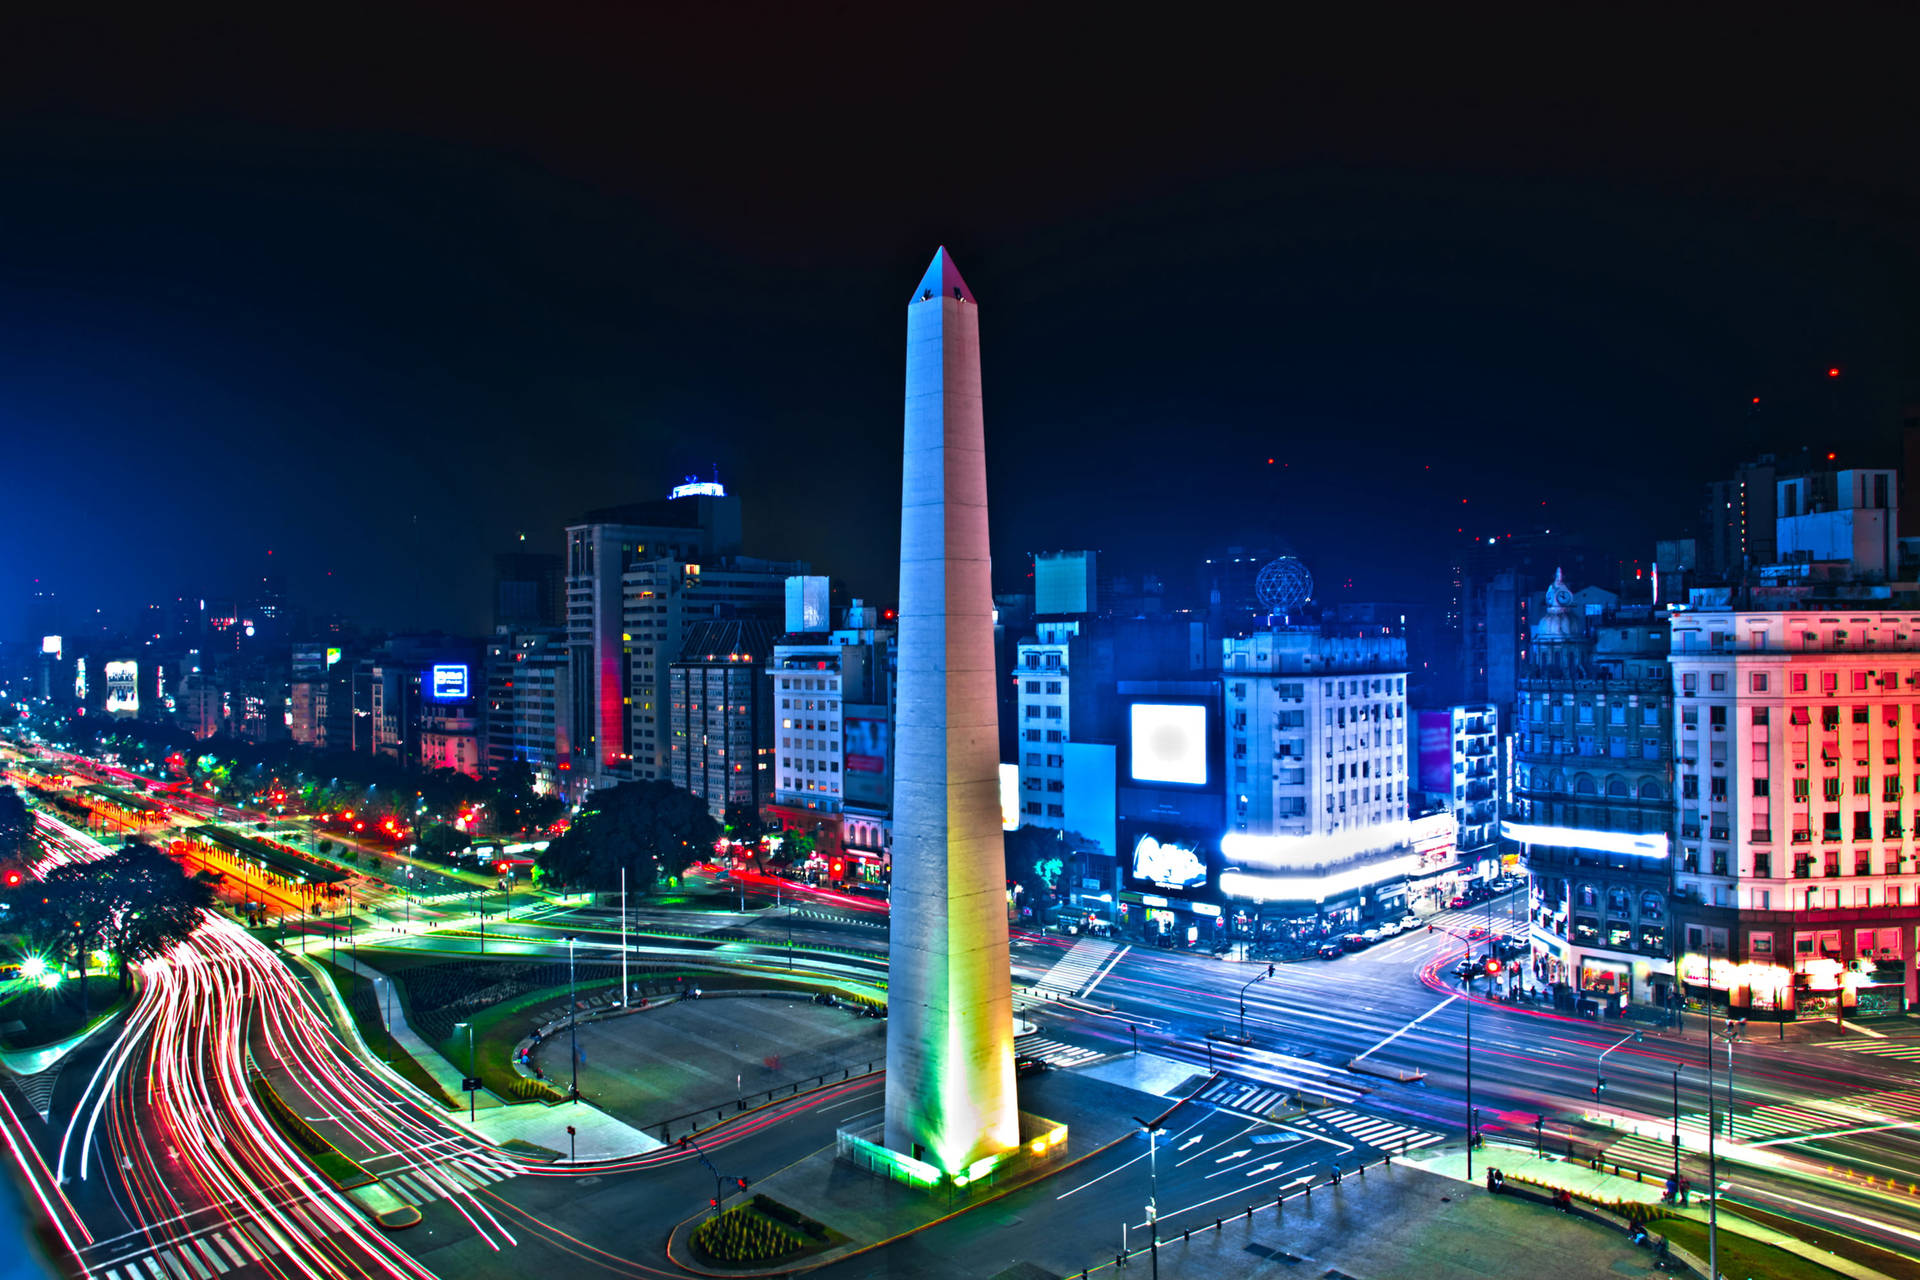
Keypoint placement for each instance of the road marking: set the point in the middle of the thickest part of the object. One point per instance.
(1216, 1146)
(1234, 1155)
(1102, 975)
(1402, 1031)
(1136, 1160)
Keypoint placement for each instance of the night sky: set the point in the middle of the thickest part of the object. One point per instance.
(380, 292)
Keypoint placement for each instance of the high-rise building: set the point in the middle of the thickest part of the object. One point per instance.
(1840, 518)
(528, 700)
(529, 590)
(601, 548)
(720, 709)
(1457, 763)
(664, 600)
(1592, 806)
(1737, 520)
(1797, 882)
(833, 743)
(321, 696)
(1066, 583)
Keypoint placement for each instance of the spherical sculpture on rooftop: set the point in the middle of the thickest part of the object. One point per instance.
(1283, 585)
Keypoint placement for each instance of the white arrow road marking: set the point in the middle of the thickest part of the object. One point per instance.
(1265, 1168)
(1188, 1143)
(1243, 1152)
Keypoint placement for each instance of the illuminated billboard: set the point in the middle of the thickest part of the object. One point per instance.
(333, 656)
(50, 645)
(80, 677)
(1168, 864)
(1009, 796)
(123, 687)
(1168, 743)
(449, 681)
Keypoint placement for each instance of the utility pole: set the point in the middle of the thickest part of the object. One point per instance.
(623, 937)
(1153, 1194)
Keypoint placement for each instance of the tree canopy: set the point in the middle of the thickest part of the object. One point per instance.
(135, 904)
(1036, 859)
(651, 828)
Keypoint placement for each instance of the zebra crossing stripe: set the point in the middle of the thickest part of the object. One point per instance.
(159, 1272)
(174, 1265)
(212, 1259)
(221, 1240)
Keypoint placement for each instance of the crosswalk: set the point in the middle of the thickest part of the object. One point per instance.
(216, 1251)
(419, 1184)
(1056, 1052)
(1073, 971)
(1635, 1151)
(205, 1254)
(1243, 1098)
(1375, 1132)
(1901, 1050)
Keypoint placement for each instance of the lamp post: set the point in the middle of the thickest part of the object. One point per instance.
(1599, 1067)
(1153, 1193)
(573, 1022)
(1471, 973)
(1676, 1126)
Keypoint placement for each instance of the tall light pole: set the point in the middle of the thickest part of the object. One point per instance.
(623, 937)
(1246, 1039)
(1153, 1193)
(573, 1022)
(1676, 1126)
(1473, 971)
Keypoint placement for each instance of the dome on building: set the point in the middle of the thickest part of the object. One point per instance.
(1559, 622)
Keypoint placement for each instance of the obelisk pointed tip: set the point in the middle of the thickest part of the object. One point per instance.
(942, 280)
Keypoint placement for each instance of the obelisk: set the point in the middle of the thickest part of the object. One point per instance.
(950, 1081)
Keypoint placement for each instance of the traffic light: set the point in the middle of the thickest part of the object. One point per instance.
(13, 878)
(1599, 1086)
(1492, 965)
(741, 1183)
(713, 1202)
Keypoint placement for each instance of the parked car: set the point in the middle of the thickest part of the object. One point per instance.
(1457, 901)
(1329, 951)
(1355, 942)
(1028, 1065)
(1390, 928)
(1409, 921)
(1510, 946)
(1372, 935)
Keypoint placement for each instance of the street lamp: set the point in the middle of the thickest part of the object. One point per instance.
(473, 1071)
(1246, 1039)
(1599, 1067)
(1153, 1193)
(1473, 971)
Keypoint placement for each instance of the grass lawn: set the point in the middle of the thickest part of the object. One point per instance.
(359, 994)
(1742, 1258)
(52, 1015)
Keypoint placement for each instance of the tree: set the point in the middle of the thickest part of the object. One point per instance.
(159, 905)
(650, 828)
(1037, 857)
(16, 823)
(443, 841)
(135, 903)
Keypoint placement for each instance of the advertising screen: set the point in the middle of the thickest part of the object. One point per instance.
(866, 760)
(1168, 743)
(1009, 796)
(1436, 752)
(50, 644)
(1168, 863)
(333, 656)
(123, 680)
(449, 681)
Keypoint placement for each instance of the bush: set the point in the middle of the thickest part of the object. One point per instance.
(744, 1234)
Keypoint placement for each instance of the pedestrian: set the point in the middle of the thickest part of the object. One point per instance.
(1686, 1189)
(1673, 1190)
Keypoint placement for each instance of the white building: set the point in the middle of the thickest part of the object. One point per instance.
(1840, 517)
(1797, 744)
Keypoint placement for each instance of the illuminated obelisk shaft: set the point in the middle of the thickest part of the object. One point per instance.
(950, 1081)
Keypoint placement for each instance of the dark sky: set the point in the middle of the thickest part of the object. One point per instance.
(380, 290)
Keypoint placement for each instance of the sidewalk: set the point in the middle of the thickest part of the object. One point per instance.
(1579, 1178)
(596, 1136)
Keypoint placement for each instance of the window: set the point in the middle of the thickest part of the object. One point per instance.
(1053, 686)
(1863, 825)
(1033, 686)
(1861, 785)
(1757, 682)
(1689, 683)
(1717, 682)
(1799, 682)
(1860, 715)
(1760, 715)
(1829, 717)
(1760, 786)
(1831, 788)
(1859, 682)
(1717, 717)
(1800, 789)
(1830, 682)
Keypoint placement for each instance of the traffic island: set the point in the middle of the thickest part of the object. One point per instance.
(864, 1207)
